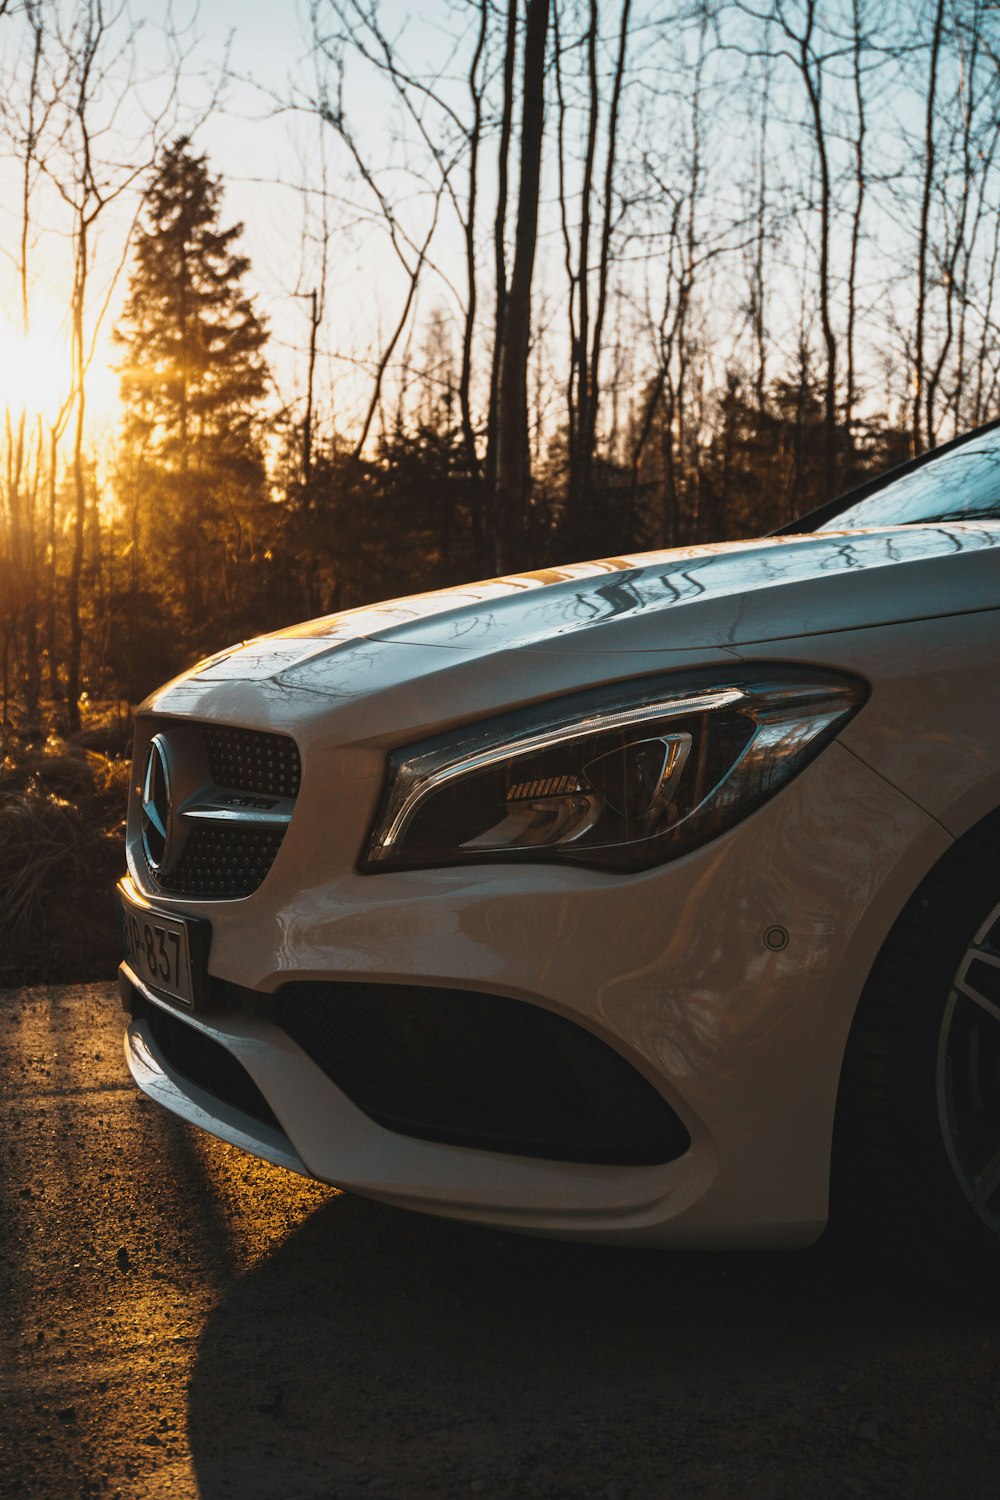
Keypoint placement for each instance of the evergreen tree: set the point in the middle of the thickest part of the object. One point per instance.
(193, 379)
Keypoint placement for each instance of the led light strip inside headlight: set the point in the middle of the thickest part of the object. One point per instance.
(622, 777)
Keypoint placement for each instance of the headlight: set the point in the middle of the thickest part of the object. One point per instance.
(619, 778)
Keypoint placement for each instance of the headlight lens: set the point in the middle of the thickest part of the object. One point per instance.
(620, 778)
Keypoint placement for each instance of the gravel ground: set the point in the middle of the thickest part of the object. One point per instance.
(181, 1321)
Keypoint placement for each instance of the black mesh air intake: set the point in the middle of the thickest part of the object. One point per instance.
(224, 861)
(250, 760)
(480, 1070)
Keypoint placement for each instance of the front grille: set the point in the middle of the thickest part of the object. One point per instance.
(203, 1062)
(227, 856)
(250, 760)
(479, 1070)
(223, 861)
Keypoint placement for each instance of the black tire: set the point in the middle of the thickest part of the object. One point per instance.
(916, 1165)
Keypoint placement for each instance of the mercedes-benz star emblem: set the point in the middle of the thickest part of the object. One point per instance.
(156, 808)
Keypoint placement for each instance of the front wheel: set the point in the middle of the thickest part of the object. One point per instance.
(917, 1150)
(968, 1073)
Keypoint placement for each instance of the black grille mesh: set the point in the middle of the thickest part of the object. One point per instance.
(250, 760)
(223, 861)
(480, 1070)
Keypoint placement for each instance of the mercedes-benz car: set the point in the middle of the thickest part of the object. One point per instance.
(647, 900)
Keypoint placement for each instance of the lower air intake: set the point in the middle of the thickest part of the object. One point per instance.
(481, 1071)
(203, 1062)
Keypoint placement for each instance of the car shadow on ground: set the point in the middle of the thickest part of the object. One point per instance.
(378, 1352)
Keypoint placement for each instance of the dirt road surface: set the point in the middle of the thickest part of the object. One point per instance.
(181, 1321)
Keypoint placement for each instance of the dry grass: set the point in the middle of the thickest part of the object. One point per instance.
(62, 812)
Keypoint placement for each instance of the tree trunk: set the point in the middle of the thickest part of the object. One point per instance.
(814, 82)
(579, 352)
(512, 480)
(589, 434)
(491, 544)
(73, 659)
(917, 438)
(465, 377)
(850, 393)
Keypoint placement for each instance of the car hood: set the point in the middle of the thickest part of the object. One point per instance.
(724, 597)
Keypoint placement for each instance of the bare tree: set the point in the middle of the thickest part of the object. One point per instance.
(924, 230)
(512, 466)
(858, 43)
(500, 270)
(579, 383)
(965, 167)
(586, 336)
(469, 232)
(99, 54)
(804, 50)
(26, 118)
(688, 247)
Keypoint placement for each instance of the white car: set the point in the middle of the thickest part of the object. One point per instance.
(633, 901)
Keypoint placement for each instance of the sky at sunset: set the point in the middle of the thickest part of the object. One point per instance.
(262, 151)
(247, 80)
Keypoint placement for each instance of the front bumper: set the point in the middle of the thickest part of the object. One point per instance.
(674, 969)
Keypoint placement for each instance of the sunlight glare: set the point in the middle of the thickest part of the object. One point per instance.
(36, 375)
(34, 369)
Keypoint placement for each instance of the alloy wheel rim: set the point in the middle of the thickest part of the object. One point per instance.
(968, 1073)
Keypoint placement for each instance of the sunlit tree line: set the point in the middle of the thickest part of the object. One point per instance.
(639, 279)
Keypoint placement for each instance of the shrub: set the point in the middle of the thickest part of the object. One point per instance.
(62, 825)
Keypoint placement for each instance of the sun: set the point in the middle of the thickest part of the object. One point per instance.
(36, 372)
(35, 369)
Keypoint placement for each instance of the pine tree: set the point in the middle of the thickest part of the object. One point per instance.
(193, 379)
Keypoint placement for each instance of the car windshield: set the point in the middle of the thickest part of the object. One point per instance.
(963, 485)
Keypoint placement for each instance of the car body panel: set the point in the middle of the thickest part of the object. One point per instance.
(720, 596)
(731, 595)
(933, 727)
(377, 694)
(155, 1077)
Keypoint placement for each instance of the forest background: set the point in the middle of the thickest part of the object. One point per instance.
(519, 282)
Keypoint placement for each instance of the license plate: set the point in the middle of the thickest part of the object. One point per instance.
(157, 947)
